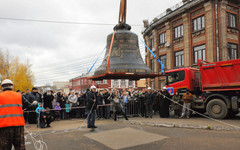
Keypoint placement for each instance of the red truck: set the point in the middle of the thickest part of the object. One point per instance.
(215, 86)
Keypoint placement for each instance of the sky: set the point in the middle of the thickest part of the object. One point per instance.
(61, 51)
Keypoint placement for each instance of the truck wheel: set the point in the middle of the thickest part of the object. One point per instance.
(217, 109)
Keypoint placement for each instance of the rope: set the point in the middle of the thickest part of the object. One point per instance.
(68, 108)
(96, 60)
(219, 121)
(110, 50)
(38, 144)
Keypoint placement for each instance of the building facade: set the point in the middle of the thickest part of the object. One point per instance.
(82, 83)
(196, 29)
(61, 86)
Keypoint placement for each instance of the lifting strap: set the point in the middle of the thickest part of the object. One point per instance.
(110, 50)
(154, 56)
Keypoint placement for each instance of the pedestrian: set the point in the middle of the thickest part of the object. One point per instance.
(49, 117)
(149, 102)
(137, 104)
(117, 106)
(48, 98)
(57, 109)
(61, 101)
(40, 116)
(176, 104)
(155, 102)
(82, 104)
(106, 97)
(11, 117)
(187, 98)
(25, 108)
(142, 103)
(100, 102)
(34, 97)
(67, 107)
(164, 103)
(27, 94)
(91, 107)
(73, 103)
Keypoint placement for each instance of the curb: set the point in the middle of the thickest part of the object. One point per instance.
(186, 126)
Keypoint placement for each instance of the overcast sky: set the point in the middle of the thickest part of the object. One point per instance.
(59, 52)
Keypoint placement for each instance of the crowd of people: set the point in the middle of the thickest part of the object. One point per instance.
(50, 105)
(43, 108)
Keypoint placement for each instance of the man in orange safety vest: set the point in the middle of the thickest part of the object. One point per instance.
(11, 117)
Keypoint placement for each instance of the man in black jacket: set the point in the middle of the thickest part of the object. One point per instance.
(81, 103)
(107, 102)
(33, 97)
(91, 107)
(164, 103)
(47, 99)
(149, 103)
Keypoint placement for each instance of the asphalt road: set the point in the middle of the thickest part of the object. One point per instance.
(117, 135)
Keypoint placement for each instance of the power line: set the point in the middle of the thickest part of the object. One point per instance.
(61, 67)
(68, 66)
(53, 73)
(62, 22)
(70, 60)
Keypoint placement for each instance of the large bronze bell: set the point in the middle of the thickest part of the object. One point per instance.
(125, 58)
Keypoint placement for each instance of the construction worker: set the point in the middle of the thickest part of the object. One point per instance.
(91, 106)
(11, 118)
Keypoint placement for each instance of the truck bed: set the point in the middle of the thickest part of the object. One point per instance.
(220, 76)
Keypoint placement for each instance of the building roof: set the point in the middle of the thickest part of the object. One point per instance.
(169, 15)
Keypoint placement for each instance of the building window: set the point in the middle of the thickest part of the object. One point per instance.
(123, 83)
(153, 65)
(232, 51)
(163, 59)
(152, 45)
(98, 82)
(162, 38)
(105, 82)
(131, 83)
(198, 23)
(199, 53)
(178, 32)
(115, 83)
(231, 20)
(179, 59)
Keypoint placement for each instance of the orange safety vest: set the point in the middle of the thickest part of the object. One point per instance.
(11, 113)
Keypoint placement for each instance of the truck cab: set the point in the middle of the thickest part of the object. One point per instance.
(182, 79)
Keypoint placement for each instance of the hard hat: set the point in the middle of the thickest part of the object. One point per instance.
(7, 81)
(149, 88)
(93, 87)
(164, 88)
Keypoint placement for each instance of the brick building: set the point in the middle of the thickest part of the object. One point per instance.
(193, 29)
(82, 83)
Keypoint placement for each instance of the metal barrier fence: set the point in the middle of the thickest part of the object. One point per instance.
(133, 108)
